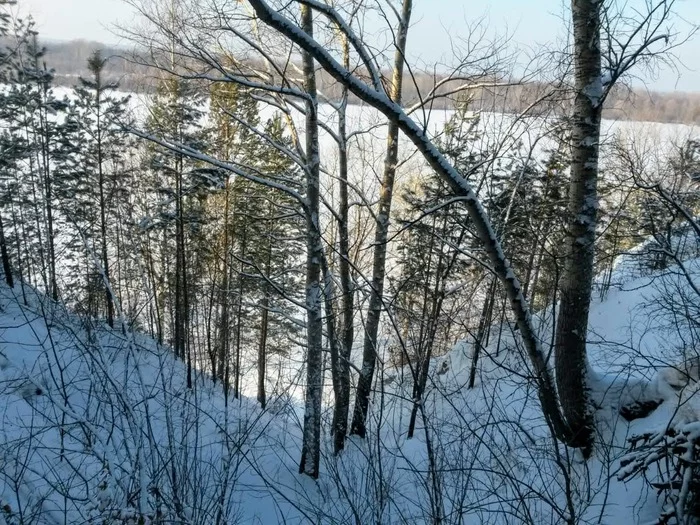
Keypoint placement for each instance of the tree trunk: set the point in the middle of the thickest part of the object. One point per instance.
(577, 279)
(369, 352)
(224, 321)
(157, 290)
(7, 269)
(239, 316)
(24, 277)
(48, 188)
(179, 269)
(264, 323)
(421, 351)
(340, 361)
(311, 445)
(484, 323)
(182, 313)
(210, 335)
(103, 206)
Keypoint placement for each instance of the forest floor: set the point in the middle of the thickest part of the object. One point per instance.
(98, 426)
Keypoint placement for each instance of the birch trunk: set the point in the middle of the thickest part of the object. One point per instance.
(577, 279)
(310, 450)
(369, 352)
(340, 359)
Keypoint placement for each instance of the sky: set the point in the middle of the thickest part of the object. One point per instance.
(435, 24)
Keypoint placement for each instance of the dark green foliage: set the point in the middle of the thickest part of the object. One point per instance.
(253, 233)
(32, 145)
(177, 186)
(92, 180)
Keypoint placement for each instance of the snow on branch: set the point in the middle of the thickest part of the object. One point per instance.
(442, 167)
(367, 60)
(198, 155)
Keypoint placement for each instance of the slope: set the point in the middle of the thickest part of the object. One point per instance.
(97, 426)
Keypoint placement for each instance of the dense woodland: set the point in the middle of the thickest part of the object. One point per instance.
(275, 202)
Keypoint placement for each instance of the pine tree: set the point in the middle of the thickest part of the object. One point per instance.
(45, 132)
(10, 150)
(176, 116)
(98, 178)
(432, 262)
(252, 273)
(278, 238)
(232, 111)
(32, 144)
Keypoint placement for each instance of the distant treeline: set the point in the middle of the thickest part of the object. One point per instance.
(69, 60)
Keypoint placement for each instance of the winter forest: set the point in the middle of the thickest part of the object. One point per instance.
(297, 277)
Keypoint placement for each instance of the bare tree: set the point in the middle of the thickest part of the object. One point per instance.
(629, 41)
(572, 323)
(311, 446)
(381, 234)
(341, 352)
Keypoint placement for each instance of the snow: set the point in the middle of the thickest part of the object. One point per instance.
(96, 424)
(594, 91)
(107, 418)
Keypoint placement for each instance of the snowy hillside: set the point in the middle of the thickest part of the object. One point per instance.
(97, 426)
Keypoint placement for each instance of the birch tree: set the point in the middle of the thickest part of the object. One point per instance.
(381, 233)
(201, 38)
(311, 445)
(628, 41)
(575, 288)
(340, 359)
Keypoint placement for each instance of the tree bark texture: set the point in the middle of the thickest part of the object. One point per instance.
(374, 312)
(577, 279)
(311, 443)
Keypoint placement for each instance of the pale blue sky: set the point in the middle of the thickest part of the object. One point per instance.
(435, 22)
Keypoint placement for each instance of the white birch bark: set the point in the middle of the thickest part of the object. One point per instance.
(310, 451)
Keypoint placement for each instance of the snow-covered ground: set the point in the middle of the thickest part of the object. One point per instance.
(98, 426)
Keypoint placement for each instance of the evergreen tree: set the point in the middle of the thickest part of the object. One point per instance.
(94, 186)
(176, 116)
(32, 142)
(432, 251)
(10, 149)
(277, 239)
(232, 111)
(252, 238)
(432, 264)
